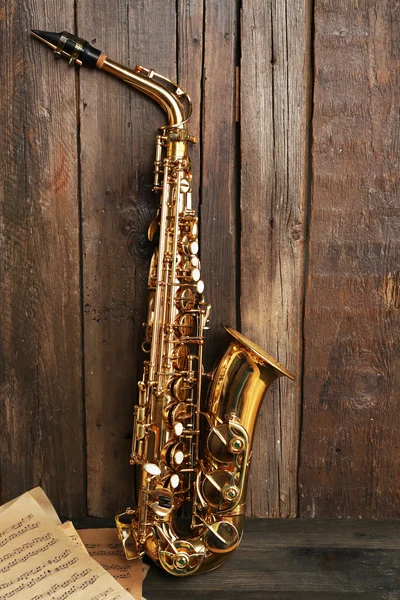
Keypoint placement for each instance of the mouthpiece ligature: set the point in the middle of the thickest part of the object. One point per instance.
(75, 49)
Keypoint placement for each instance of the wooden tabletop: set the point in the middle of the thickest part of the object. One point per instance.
(294, 559)
(297, 560)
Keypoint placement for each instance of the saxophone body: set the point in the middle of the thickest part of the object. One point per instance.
(192, 445)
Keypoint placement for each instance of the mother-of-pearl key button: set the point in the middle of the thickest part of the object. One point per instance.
(178, 458)
(152, 469)
(174, 480)
(178, 428)
(196, 274)
(200, 286)
(185, 185)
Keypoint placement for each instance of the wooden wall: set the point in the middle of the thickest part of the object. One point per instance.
(296, 179)
(350, 443)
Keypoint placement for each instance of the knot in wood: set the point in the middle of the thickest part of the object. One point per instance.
(296, 232)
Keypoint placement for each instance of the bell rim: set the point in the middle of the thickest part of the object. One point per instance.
(259, 352)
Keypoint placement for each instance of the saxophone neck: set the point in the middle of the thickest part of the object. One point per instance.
(168, 95)
(163, 91)
(175, 102)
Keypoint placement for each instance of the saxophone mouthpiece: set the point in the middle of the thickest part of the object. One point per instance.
(75, 49)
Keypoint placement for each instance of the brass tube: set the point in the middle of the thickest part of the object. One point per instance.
(148, 86)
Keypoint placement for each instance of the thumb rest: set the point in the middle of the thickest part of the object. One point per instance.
(191, 448)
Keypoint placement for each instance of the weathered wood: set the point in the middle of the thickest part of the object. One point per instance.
(288, 559)
(277, 559)
(275, 71)
(368, 534)
(350, 452)
(118, 127)
(253, 256)
(296, 559)
(190, 17)
(41, 404)
(218, 203)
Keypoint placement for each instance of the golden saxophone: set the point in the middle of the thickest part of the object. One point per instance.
(190, 449)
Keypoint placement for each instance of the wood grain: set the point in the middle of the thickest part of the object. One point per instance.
(118, 127)
(296, 559)
(41, 402)
(218, 223)
(76, 201)
(190, 17)
(288, 559)
(350, 443)
(275, 82)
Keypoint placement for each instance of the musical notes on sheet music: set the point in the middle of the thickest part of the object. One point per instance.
(39, 561)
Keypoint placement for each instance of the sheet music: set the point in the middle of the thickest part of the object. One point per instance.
(103, 545)
(39, 495)
(69, 529)
(39, 562)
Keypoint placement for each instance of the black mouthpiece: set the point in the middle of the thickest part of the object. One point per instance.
(66, 44)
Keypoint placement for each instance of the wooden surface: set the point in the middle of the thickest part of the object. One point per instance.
(117, 208)
(297, 560)
(350, 448)
(294, 559)
(274, 111)
(41, 400)
(218, 209)
(296, 179)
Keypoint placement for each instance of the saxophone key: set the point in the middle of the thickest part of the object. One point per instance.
(185, 185)
(185, 299)
(184, 325)
(188, 246)
(140, 431)
(178, 428)
(152, 469)
(140, 414)
(200, 286)
(196, 274)
(174, 454)
(178, 457)
(174, 481)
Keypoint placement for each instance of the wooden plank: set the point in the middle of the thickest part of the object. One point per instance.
(218, 203)
(292, 568)
(287, 559)
(350, 444)
(260, 572)
(41, 408)
(323, 533)
(260, 595)
(305, 533)
(118, 127)
(190, 15)
(275, 69)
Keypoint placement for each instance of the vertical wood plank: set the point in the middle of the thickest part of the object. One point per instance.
(275, 71)
(190, 17)
(219, 149)
(350, 448)
(41, 411)
(118, 128)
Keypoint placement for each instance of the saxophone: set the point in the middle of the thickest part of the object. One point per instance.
(192, 448)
